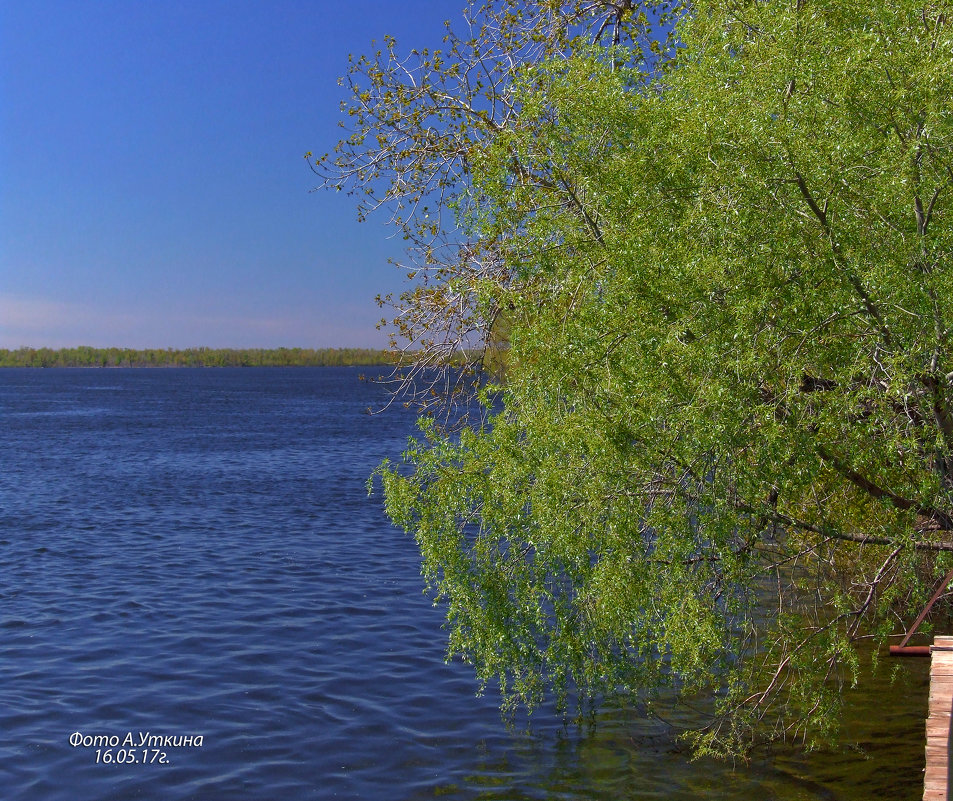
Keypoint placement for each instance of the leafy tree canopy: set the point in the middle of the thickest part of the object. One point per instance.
(719, 278)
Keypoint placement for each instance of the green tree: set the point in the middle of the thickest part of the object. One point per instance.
(416, 123)
(722, 454)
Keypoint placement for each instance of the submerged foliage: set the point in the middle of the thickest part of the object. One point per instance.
(722, 452)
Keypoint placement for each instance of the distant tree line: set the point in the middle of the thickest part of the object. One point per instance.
(84, 356)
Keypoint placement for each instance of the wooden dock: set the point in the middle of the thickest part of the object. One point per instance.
(936, 779)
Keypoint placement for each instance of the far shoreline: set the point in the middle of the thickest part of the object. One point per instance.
(89, 357)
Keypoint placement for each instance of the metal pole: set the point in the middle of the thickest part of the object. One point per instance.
(920, 650)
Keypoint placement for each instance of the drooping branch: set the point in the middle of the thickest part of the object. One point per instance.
(770, 515)
(821, 214)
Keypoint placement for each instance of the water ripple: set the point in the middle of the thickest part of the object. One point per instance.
(194, 553)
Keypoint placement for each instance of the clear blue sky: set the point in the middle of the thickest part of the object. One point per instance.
(152, 187)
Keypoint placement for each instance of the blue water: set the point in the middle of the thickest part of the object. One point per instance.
(193, 553)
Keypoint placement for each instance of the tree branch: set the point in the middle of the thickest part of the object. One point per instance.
(821, 215)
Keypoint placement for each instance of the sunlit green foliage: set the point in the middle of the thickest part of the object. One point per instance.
(723, 450)
(417, 122)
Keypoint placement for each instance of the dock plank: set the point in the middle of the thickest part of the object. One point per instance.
(936, 776)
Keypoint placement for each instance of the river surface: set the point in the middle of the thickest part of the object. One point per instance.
(193, 554)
